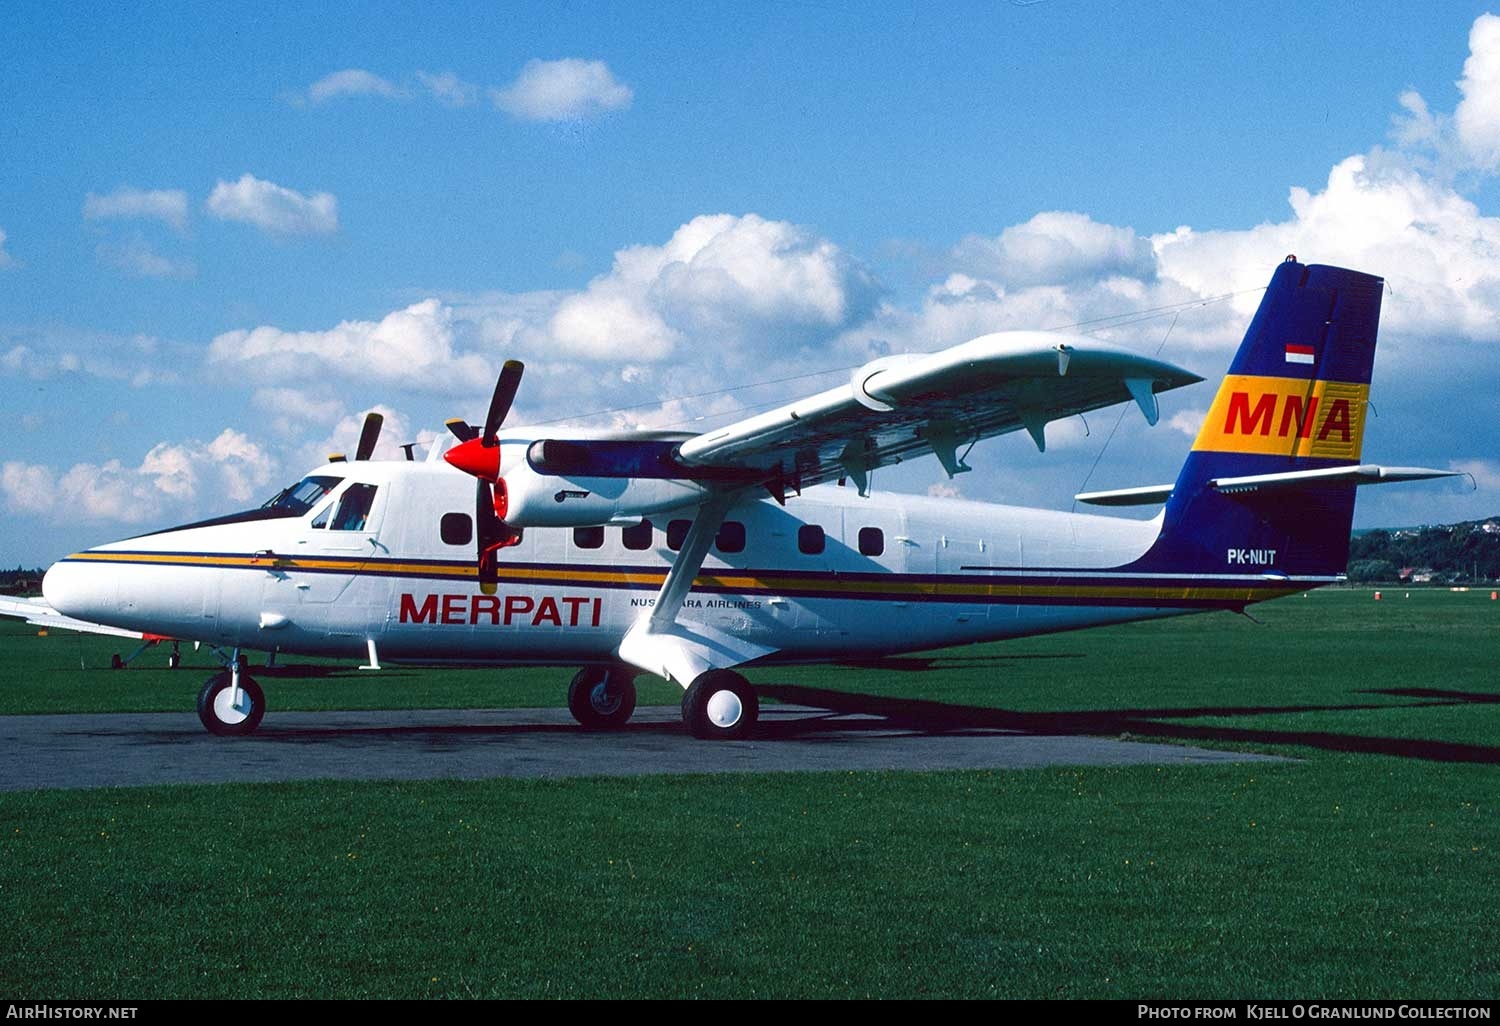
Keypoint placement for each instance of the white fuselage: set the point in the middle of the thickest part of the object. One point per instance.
(893, 573)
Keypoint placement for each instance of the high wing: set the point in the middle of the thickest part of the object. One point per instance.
(39, 613)
(898, 407)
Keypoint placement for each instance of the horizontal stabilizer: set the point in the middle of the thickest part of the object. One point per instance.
(1149, 495)
(1363, 474)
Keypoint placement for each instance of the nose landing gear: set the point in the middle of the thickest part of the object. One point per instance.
(231, 703)
(602, 697)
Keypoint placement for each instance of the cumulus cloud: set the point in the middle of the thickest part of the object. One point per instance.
(443, 86)
(28, 488)
(414, 347)
(1056, 247)
(723, 300)
(1486, 472)
(562, 90)
(136, 257)
(170, 206)
(17, 358)
(274, 208)
(177, 478)
(291, 409)
(448, 88)
(6, 260)
(1440, 254)
(722, 280)
(352, 82)
(138, 360)
(1477, 117)
(1187, 422)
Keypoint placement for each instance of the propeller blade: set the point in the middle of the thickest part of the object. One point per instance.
(485, 530)
(462, 429)
(491, 532)
(505, 394)
(368, 436)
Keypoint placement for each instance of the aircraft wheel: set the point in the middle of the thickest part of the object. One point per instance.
(218, 712)
(602, 697)
(720, 705)
(115, 662)
(174, 660)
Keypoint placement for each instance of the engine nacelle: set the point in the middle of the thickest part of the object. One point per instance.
(553, 500)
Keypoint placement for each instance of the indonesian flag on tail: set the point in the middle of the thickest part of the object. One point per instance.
(1299, 354)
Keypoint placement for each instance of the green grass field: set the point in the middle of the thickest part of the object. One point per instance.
(1364, 868)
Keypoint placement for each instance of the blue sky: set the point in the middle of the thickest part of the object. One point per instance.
(228, 230)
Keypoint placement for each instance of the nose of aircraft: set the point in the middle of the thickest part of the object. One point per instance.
(78, 590)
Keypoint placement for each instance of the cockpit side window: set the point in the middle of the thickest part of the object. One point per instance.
(354, 508)
(321, 520)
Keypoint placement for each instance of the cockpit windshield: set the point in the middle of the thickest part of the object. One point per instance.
(297, 499)
(293, 501)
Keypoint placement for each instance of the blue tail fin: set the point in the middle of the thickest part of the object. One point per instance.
(1294, 399)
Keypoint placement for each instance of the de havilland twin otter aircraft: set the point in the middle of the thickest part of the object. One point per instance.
(688, 555)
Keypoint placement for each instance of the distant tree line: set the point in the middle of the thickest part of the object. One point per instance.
(1463, 553)
(21, 581)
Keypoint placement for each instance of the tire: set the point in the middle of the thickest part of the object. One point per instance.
(173, 661)
(219, 717)
(720, 705)
(602, 697)
(115, 662)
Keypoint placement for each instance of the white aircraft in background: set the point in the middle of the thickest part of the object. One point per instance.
(687, 555)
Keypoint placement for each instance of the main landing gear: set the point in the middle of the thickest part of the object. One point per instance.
(231, 702)
(719, 705)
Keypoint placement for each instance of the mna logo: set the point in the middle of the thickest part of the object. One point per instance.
(1286, 417)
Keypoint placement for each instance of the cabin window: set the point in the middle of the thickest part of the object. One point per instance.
(810, 540)
(321, 520)
(731, 536)
(677, 532)
(354, 508)
(456, 529)
(871, 541)
(638, 536)
(588, 537)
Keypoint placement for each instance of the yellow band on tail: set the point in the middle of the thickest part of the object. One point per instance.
(1286, 417)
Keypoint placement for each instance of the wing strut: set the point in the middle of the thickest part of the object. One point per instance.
(689, 561)
(681, 651)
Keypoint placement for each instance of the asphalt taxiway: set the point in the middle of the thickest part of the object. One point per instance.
(137, 749)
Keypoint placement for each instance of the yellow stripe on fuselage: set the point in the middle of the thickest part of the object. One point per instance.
(960, 586)
(1286, 417)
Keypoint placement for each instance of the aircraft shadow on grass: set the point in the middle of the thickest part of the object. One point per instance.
(850, 713)
(938, 717)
